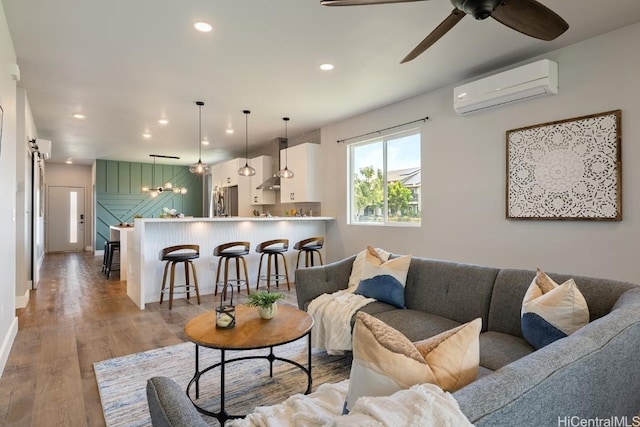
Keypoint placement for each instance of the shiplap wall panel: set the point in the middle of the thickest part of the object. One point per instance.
(119, 196)
(124, 178)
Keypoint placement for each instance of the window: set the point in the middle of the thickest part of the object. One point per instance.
(385, 180)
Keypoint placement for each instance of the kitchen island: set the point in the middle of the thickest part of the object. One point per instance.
(151, 235)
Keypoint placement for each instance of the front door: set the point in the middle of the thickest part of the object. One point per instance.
(65, 219)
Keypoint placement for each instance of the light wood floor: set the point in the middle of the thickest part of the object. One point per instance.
(75, 318)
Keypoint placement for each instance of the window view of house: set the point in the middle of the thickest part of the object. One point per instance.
(385, 180)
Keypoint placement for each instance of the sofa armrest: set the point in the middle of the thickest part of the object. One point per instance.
(312, 282)
(169, 405)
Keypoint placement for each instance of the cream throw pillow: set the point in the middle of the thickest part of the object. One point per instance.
(358, 264)
(385, 282)
(551, 311)
(385, 361)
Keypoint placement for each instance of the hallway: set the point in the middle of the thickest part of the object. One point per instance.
(75, 318)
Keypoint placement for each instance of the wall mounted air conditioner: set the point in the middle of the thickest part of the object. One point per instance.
(44, 148)
(518, 84)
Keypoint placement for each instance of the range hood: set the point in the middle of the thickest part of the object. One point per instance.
(273, 183)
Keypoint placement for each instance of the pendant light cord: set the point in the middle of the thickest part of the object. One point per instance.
(199, 132)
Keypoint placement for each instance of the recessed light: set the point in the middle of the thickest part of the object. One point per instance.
(229, 131)
(326, 67)
(79, 115)
(146, 135)
(202, 26)
(163, 121)
(69, 161)
(205, 142)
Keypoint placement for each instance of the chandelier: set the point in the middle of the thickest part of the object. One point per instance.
(168, 186)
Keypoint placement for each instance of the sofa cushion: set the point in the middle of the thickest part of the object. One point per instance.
(358, 264)
(169, 405)
(551, 311)
(460, 292)
(416, 325)
(384, 281)
(498, 349)
(385, 361)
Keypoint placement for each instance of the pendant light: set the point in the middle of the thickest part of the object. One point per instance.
(285, 173)
(199, 168)
(246, 170)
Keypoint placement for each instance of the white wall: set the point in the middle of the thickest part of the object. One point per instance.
(8, 319)
(463, 173)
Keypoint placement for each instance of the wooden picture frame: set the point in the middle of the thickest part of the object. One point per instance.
(566, 170)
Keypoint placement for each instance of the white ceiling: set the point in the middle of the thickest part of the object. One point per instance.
(125, 64)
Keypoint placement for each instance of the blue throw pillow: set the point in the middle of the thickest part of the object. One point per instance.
(384, 288)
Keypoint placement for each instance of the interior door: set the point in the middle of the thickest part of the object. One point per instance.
(65, 219)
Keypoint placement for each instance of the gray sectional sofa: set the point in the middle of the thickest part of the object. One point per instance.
(592, 374)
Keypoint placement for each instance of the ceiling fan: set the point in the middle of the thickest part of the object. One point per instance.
(526, 16)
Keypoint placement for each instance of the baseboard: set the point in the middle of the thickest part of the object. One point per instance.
(7, 342)
(99, 253)
(89, 248)
(23, 300)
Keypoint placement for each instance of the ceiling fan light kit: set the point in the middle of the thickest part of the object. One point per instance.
(528, 17)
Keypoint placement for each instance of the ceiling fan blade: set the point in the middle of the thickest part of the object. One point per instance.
(360, 2)
(451, 20)
(531, 18)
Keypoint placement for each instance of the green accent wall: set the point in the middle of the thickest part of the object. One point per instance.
(119, 193)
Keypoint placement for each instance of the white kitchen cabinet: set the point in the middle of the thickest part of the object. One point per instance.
(304, 161)
(264, 169)
(225, 174)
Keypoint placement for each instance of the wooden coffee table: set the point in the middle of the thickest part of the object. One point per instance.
(251, 332)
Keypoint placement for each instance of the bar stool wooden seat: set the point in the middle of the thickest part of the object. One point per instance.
(273, 249)
(173, 255)
(227, 252)
(310, 247)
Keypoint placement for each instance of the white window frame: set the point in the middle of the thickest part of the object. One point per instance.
(384, 138)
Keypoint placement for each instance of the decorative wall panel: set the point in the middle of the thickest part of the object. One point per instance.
(569, 169)
(119, 195)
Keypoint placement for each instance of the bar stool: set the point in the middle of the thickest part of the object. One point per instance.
(273, 249)
(226, 252)
(173, 255)
(110, 249)
(309, 246)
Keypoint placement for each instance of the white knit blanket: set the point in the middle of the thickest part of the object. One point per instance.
(332, 320)
(424, 405)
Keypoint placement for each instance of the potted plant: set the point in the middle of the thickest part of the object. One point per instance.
(266, 302)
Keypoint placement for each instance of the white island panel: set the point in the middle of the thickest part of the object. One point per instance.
(151, 235)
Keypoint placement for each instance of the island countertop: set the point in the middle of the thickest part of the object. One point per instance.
(151, 235)
(239, 218)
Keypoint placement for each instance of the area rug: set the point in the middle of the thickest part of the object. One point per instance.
(122, 381)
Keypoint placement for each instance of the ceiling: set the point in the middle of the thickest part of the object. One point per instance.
(125, 64)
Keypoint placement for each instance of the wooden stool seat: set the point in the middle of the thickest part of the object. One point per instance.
(309, 246)
(226, 252)
(273, 249)
(173, 255)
